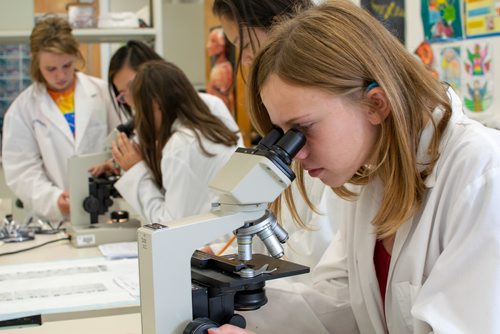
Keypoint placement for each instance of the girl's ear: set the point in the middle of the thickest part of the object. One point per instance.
(380, 108)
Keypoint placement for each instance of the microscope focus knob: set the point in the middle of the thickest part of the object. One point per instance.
(91, 204)
(200, 326)
(238, 321)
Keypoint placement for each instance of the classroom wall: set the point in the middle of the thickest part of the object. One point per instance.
(184, 43)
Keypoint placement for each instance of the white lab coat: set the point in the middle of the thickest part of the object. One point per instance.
(186, 172)
(444, 275)
(37, 141)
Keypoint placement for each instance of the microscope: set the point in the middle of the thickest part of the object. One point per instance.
(12, 232)
(92, 197)
(182, 292)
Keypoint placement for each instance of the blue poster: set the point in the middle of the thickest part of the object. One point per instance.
(442, 19)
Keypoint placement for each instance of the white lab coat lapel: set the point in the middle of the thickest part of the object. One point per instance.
(423, 159)
(364, 249)
(85, 97)
(50, 109)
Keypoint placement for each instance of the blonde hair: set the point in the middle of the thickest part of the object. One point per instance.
(340, 48)
(53, 35)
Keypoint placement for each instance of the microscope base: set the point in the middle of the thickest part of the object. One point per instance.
(98, 234)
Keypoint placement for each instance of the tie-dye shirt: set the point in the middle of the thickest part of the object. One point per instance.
(65, 101)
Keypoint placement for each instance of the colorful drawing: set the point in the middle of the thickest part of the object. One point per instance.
(479, 62)
(450, 67)
(442, 19)
(426, 54)
(482, 17)
(479, 98)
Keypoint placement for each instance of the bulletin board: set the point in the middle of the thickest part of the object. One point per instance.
(471, 63)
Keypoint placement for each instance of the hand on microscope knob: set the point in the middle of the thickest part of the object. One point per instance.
(125, 153)
(107, 167)
(229, 329)
(63, 203)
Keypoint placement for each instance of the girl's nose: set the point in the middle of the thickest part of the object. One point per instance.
(302, 154)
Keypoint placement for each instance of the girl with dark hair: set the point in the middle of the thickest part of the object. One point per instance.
(247, 22)
(182, 145)
(122, 68)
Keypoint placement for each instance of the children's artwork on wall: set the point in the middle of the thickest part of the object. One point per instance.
(477, 92)
(426, 54)
(450, 66)
(482, 17)
(220, 81)
(442, 19)
(478, 60)
(479, 95)
(389, 12)
(472, 70)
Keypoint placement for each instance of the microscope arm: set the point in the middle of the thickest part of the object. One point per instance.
(250, 180)
(79, 185)
(165, 280)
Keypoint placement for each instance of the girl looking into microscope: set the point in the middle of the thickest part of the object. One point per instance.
(123, 69)
(418, 245)
(182, 145)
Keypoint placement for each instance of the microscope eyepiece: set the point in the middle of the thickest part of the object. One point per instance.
(289, 145)
(126, 128)
(270, 139)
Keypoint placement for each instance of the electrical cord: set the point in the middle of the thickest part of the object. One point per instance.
(37, 246)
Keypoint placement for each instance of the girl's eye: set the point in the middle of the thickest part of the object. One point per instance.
(305, 127)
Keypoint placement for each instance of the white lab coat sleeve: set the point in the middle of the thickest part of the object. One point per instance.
(23, 167)
(321, 308)
(329, 296)
(181, 196)
(218, 108)
(461, 293)
(138, 188)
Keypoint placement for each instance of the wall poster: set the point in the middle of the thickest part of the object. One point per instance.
(482, 17)
(442, 19)
(391, 13)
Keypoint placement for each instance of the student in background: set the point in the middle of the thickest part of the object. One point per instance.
(123, 66)
(182, 146)
(418, 246)
(122, 70)
(247, 24)
(63, 113)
